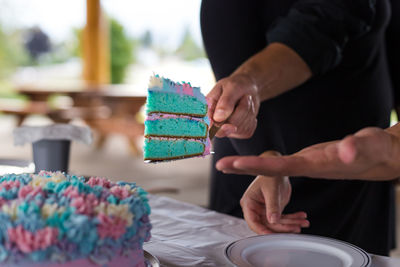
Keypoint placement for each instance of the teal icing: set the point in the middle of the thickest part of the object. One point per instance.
(97, 190)
(136, 206)
(112, 199)
(171, 86)
(82, 187)
(24, 178)
(77, 233)
(81, 231)
(28, 208)
(28, 215)
(5, 223)
(57, 220)
(145, 200)
(3, 253)
(39, 255)
(50, 186)
(122, 183)
(130, 232)
(9, 194)
(60, 187)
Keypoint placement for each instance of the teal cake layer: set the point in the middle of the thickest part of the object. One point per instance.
(161, 149)
(176, 127)
(165, 102)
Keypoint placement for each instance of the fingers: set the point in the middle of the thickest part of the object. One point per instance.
(297, 222)
(255, 220)
(227, 102)
(272, 204)
(272, 166)
(296, 215)
(253, 165)
(254, 214)
(226, 130)
(289, 223)
(245, 117)
(212, 99)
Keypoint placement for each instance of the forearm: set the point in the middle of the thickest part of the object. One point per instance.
(275, 70)
(394, 162)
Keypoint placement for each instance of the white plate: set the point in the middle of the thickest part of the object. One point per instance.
(292, 250)
(150, 259)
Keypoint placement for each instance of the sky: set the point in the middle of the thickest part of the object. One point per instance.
(58, 17)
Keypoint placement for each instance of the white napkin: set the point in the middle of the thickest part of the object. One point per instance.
(30, 134)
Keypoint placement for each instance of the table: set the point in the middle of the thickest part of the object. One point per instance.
(108, 109)
(187, 235)
(16, 166)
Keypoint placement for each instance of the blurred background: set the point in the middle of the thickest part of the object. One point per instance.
(88, 63)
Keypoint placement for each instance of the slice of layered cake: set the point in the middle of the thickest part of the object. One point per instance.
(177, 123)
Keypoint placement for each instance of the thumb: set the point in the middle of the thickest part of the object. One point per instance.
(272, 197)
(272, 204)
(226, 103)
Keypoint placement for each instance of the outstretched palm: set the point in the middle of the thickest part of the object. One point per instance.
(369, 154)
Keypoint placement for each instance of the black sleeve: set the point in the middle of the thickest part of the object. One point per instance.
(393, 50)
(318, 30)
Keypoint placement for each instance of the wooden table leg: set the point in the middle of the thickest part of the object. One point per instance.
(133, 147)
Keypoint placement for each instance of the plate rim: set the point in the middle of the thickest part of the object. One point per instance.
(362, 251)
(150, 258)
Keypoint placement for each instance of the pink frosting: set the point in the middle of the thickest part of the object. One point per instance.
(27, 241)
(85, 204)
(71, 192)
(120, 192)
(187, 89)
(157, 116)
(29, 190)
(45, 173)
(113, 227)
(9, 184)
(184, 88)
(99, 181)
(207, 149)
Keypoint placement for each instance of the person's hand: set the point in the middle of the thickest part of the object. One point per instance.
(234, 102)
(263, 203)
(370, 154)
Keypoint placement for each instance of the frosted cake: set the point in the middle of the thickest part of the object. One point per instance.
(177, 124)
(58, 220)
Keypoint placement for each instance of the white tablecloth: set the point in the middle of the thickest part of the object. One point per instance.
(187, 235)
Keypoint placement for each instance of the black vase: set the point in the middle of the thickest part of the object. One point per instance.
(51, 155)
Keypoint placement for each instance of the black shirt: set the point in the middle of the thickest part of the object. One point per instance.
(343, 43)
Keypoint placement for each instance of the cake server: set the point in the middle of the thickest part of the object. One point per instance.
(213, 131)
(215, 128)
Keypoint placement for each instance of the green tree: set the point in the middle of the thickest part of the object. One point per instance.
(121, 51)
(12, 52)
(189, 49)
